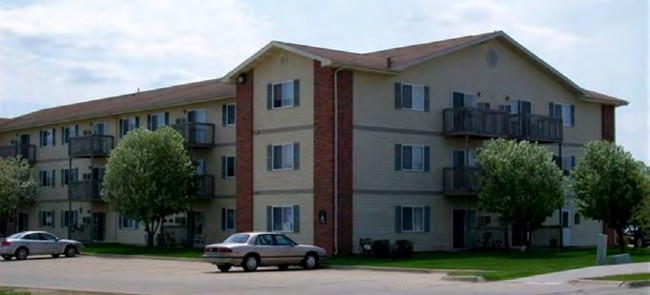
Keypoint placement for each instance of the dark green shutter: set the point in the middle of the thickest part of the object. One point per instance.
(41, 138)
(269, 96)
(296, 219)
(63, 174)
(76, 130)
(398, 157)
(296, 155)
(224, 115)
(223, 166)
(137, 122)
(119, 221)
(296, 92)
(53, 136)
(551, 109)
(166, 118)
(426, 98)
(426, 159)
(269, 218)
(269, 157)
(398, 96)
(149, 124)
(573, 162)
(53, 180)
(573, 115)
(53, 217)
(398, 219)
(63, 132)
(63, 219)
(223, 219)
(427, 219)
(121, 127)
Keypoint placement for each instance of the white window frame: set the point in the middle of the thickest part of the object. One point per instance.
(234, 114)
(127, 130)
(413, 146)
(49, 140)
(566, 109)
(413, 218)
(44, 218)
(413, 86)
(283, 145)
(283, 229)
(234, 168)
(291, 104)
(68, 129)
(234, 219)
(129, 221)
(159, 117)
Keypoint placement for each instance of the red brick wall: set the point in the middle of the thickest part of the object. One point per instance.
(244, 163)
(324, 158)
(608, 130)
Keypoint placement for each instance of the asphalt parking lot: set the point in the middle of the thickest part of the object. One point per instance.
(152, 276)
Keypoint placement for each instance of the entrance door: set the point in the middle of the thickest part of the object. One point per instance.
(462, 224)
(99, 226)
(23, 222)
(197, 131)
(23, 148)
(566, 228)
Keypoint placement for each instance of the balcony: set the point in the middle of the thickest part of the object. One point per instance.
(475, 122)
(196, 135)
(486, 123)
(26, 151)
(205, 186)
(459, 181)
(543, 129)
(90, 146)
(86, 190)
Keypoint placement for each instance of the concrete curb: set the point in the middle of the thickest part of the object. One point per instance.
(142, 257)
(472, 279)
(636, 284)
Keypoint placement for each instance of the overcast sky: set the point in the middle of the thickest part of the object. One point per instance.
(65, 51)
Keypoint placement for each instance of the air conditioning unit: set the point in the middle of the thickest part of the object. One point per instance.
(87, 132)
(86, 176)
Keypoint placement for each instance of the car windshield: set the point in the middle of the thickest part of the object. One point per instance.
(237, 239)
(15, 236)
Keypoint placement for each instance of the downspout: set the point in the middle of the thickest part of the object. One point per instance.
(336, 161)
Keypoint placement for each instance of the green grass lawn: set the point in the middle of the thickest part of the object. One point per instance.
(495, 265)
(641, 276)
(137, 250)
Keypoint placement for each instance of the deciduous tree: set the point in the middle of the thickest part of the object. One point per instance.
(17, 188)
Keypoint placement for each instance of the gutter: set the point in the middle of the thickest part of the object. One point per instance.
(336, 161)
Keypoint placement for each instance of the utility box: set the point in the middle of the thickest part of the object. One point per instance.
(601, 249)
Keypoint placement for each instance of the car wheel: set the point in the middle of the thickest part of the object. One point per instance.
(224, 267)
(250, 263)
(70, 251)
(21, 253)
(6, 257)
(283, 267)
(310, 261)
(56, 255)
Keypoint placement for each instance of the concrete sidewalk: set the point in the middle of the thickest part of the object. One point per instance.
(587, 272)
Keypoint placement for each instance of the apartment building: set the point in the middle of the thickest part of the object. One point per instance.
(329, 146)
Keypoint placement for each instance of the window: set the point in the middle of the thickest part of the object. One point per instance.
(46, 218)
(155, 121)
(412, 97)
(283, 219)
(47, 137)
(576, 218)
(411, 157)
(484, 105)
(519, 107)
(568, 163)
(128, 223)
(264, 240)
(69, 218)
(228, 112)
(68, 176)
(100, 128)
(46, 178)
(462, 100)
(282, 240)
(47, 237)
(284, 156)
(228, 167)
(128, 124)
(412, 219)
(67, 132)
(228, 219)
(283, 94)
(564, 111)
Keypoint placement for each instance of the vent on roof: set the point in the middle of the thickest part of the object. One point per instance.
(492, 58)
(283, 58)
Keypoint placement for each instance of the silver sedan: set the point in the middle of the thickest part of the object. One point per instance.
(250, 250)
(23, 244)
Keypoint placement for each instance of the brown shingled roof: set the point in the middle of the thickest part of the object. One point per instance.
(4, 121)
(186, 93)
(606, 98)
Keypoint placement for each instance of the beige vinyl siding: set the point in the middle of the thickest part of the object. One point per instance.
(303, 178)
(271, 70)
(467, 71)
(306, 203)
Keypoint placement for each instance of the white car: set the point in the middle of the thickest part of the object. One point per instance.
(250, 250)
(23, 244)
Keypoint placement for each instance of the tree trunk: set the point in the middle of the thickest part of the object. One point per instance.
(528, 237)
(621, 239)
(4, 222)
(506, 241)
(150, 237)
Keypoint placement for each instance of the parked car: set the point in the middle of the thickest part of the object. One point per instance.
(23, 244)
(253, 249)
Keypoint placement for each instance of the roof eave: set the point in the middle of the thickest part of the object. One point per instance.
(230, 77)
(364, 69)
(615, 103)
